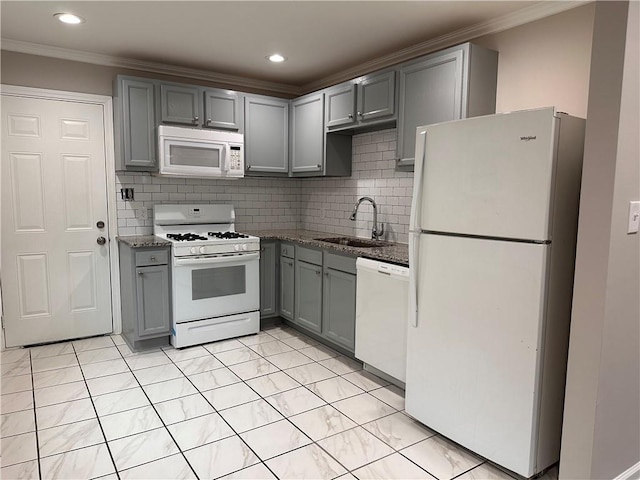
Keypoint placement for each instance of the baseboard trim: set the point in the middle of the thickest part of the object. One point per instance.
(631, 473)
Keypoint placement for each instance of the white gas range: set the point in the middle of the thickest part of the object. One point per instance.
(215, 273)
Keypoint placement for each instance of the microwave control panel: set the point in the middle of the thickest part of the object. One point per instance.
(235, 159)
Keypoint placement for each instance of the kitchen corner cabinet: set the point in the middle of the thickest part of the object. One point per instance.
(307, 134)
(339, 300)
(145, 293)
(266, 135)
(134, 124)
(456, 83)
(268, 279)
(180, 104)
(287, 280)
(366, 100)
(308, 289)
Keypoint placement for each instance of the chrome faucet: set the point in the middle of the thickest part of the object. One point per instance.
(376, 232)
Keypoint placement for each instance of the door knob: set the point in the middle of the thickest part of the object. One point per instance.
(101, 240)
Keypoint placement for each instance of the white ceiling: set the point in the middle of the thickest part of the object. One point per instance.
(321, 39)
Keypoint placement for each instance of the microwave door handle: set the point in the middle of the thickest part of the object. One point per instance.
(224, 161)
(179, 262)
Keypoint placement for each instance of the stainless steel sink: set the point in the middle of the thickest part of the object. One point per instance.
(354, 242)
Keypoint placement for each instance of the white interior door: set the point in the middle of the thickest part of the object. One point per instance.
(55, 275)
(473, 361)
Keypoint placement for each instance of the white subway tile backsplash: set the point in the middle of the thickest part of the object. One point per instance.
(322, 204)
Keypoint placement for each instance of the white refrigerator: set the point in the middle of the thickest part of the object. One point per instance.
(491, 251)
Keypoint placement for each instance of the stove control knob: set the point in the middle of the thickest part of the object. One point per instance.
(245, 247)
(193, 250)
(202, 249)
(236, 248)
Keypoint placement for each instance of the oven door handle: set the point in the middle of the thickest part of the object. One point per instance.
(201, 261)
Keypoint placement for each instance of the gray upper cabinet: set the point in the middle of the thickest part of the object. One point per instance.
(456, 83)
(307, 134)
(180, 104)
(222, 109)
(376, 96)
(134, 124)
(340, 105)
(266, 135)
(369, 99)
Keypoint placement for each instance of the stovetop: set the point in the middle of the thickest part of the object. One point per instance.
(212, 236)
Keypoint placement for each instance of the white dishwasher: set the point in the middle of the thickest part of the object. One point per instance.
(381, 316)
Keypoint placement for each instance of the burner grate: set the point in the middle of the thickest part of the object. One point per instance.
(185, 237)
(228, 235)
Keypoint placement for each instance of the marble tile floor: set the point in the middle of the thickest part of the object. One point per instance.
(271, 405)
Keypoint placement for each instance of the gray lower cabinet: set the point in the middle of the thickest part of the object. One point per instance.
(339, 300)
(308, 295)
(266, 135)
(287, 281)
(268, 279)
(180, 104)
(134, 124)
(145, 293)
(456, 83)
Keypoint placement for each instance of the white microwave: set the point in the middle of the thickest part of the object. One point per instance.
(188, 152)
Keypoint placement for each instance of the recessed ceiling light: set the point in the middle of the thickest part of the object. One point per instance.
(69, 18)
(276, 58)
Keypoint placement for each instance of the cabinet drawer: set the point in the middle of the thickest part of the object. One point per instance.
(287, 250)
(152, 257)
(340, 262)
(308, 255)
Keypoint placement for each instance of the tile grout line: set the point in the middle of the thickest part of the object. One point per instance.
(35, 417)
(159, 416)
(95, 409)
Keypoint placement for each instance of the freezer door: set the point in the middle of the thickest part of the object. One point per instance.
(473, 358)
(490, 176)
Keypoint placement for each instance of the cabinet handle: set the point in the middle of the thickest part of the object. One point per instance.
(248, 167)
(153, 259)
(326, 274)
(196, 119)
(140, 273)
(319, 167)
(208, 121)
(359, 114)
(351, 115)
(318, 272)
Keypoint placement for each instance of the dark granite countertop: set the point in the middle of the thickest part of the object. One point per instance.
(392, 252)
(140, 241)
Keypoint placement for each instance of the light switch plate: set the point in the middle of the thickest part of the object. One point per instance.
(634, 217)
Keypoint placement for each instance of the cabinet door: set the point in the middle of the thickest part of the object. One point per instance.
(430, 92)
(179, 104)
(287, 287)
(340, 105)
(222, 110)
(135, 124)
(152, 290)
(377, 96)
(339, 307)
(266, 135)
(308, 294)
(307, 129)
(267, 279)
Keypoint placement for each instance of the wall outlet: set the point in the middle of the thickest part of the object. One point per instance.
(126, 194)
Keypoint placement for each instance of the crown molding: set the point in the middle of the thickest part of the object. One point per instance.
(498, 24)
(154, 67)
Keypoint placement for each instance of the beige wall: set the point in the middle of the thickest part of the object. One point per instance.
(601, 431)
(545, 63)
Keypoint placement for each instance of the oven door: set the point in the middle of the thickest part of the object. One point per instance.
(207, 287)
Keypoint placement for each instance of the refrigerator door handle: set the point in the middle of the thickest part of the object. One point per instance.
(416, 200)
(414, 249)
(414, 225)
